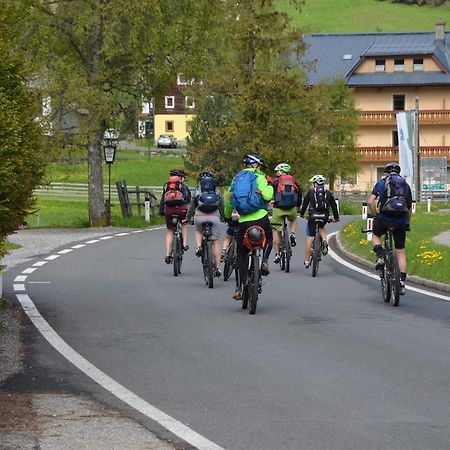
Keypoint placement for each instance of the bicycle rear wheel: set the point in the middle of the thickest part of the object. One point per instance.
(287, 252)
(395, 282)
(176, 254)
(282, 252)
(230, 261)
(208, 264)
(316, 254)
(253, 283)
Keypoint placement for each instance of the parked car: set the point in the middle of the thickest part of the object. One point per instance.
(166, 140)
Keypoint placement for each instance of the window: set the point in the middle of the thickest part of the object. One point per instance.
(394, 138)
(380, 65)
(398, 102)
(190, 103)
(399, 65)
(188, 126)
(418, 64)
(169, 102)
(169, 126)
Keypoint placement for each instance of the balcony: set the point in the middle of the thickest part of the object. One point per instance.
(434, 117)
(386, 154)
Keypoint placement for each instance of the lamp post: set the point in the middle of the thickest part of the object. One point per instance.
(109, 149)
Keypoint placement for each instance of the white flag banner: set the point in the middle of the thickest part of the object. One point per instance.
(405, 122)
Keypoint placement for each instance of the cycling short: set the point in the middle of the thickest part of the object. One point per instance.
(170, 210)
(232, 227)
(278, 214)
(311, 225)
(214, 219)
(380, 227)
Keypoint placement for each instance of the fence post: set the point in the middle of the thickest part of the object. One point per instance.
(429, 204)
(147, 207)
(124, 201)
(138, 200)
(364, 211)
(369, 227)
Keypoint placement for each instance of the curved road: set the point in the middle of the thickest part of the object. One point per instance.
(324, 363)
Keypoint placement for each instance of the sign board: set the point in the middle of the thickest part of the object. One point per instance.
(433, 174)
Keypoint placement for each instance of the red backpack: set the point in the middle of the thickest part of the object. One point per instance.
(286, 196)
(174, 193)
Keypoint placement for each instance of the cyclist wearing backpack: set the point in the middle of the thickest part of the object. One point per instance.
(249, 194)
(207, 206)
(175, 199)
(287, 200)
(395, 208)
(318, 200)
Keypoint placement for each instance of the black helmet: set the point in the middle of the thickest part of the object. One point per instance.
(253, 158)
(204, 174)
(177, 173)
(392, 167)
(254, 237)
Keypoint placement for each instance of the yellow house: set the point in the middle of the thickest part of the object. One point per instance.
(388, 72)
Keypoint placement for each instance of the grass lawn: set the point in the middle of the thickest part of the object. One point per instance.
(426, 258)
(132, 166)
(363, 16)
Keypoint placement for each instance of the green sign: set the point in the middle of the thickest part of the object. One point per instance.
(433, 187)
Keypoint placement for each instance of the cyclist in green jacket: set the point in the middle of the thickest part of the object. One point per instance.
(258, 216)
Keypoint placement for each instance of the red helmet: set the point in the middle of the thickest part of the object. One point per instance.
(254, 237)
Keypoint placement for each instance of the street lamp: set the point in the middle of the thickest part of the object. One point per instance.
(109, 150)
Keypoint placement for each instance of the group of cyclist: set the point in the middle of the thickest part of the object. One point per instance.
(214, 208)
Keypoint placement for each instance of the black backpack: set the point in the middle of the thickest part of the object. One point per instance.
(320, 202)
(208, 199)
(393, 200)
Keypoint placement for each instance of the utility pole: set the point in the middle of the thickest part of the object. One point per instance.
(416, 152)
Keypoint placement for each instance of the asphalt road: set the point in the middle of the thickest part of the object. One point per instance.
(324, 363)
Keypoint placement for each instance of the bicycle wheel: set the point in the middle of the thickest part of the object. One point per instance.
(316, 254)
(395, 282)
(287, 252)
(230, 261)
(176, 255)
(245, 288)
(208, 264)
(254, 283)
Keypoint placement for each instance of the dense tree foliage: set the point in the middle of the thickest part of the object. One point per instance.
(91, 57)
(21, 151)
(420, 2)
(270, 110)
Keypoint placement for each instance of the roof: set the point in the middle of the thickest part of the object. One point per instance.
(337, 55)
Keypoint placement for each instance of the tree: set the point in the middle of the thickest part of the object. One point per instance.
(271, 110)
(21, 150)
(90, 54)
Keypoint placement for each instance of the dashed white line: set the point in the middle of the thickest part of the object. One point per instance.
(39, 263)
(122, 234)
(29, 270)
(104, 238)
(79, 246)
(93, 241)
(19, 287)
(52, 257)
(66, 250)
(20, 278)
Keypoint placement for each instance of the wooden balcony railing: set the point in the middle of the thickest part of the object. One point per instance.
(391, 153)
(434, 117)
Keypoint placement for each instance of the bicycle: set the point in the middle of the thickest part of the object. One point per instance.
(316, 248)
(285, 251)
(230, 259)
(208, 263)
(253, 282)
(177, 245)
(390, 273)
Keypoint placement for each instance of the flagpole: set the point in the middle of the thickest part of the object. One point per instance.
(416, 152)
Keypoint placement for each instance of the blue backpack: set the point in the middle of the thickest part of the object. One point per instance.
(208, 199)
(393, 200)
(245, 197)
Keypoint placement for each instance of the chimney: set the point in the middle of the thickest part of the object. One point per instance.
(440, 31)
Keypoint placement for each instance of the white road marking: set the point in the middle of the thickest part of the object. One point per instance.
(122, 234)
(93, 241)
(20, 278)
(104, 238)
(79, 246)
(29, 270)
(52, 257)
(19, 287)
(121, 392)
(39, 282)
(376, 277)
(66, 250)
(40, 263)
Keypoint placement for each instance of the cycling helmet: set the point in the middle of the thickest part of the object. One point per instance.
(283, 167)
(254, 237)
(177, 173)
(204, 174)
(392, 167)
(319, 179)
(253, 158)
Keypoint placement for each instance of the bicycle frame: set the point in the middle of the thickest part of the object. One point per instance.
(177, 245)
(316, 247)
(285, 247)
(390, 274)
(253, 282)
(208, 263)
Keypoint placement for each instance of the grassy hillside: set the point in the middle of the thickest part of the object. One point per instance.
(348, 16)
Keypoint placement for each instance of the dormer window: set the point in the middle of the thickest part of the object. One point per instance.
(418, 64)
(190, 103)
(169, 101)
(380, 65)
(399, 65)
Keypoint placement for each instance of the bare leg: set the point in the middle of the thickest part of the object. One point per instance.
(308, 245)
(401, 257)
(276, 241)
(184, 233)
(169, 237)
